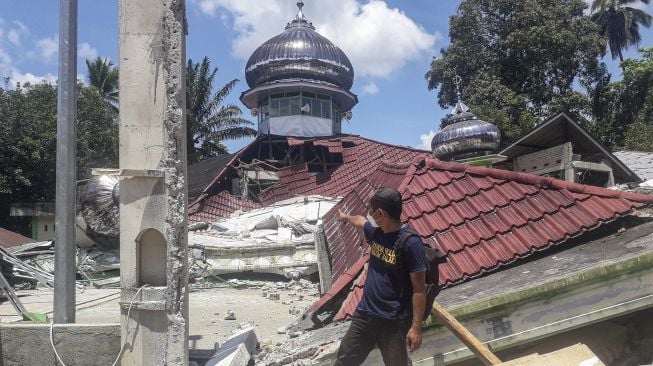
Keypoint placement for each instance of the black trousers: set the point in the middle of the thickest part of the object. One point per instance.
(366, 332)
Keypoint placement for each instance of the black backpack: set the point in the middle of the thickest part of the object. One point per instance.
(433, 259)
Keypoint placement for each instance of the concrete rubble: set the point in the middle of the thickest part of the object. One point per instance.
(277, 239)
(303, 348)
(237, 350)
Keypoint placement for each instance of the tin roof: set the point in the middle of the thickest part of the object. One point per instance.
(10, 239)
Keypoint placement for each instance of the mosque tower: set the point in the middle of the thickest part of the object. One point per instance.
(464, 137)
(299, 83)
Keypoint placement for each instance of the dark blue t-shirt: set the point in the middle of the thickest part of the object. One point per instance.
(383, 286)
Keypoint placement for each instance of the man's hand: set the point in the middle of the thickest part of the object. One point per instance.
(342, 217)
(414, 337)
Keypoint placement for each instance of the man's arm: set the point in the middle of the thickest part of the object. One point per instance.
(357, 221)
(414, 337)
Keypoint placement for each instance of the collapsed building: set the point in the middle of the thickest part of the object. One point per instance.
(529, 256)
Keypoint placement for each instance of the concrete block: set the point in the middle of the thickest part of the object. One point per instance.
(247, 337)
(239, 357)
(29, 344)
(236, 349)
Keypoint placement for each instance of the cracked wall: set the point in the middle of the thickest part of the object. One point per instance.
(153, 227)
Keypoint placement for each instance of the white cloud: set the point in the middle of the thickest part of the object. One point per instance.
(16, 32)
(86, 52)
(12, 37)
(5, 58)
(378, 39)
(426, 138)
(48, 47)
(370, 88)
(18, 77)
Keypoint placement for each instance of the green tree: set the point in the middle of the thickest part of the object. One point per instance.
(519, 60)
(639, 137)
(104, 77)
(619, 23)
(623, 109)
(208, 120)
(28, 125)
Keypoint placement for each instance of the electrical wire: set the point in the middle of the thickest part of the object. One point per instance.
(52, 344)
(129, 309)
(122, 347)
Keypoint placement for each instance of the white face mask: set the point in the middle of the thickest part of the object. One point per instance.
(371, 220)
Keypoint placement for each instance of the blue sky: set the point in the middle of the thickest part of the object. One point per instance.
(390, 43)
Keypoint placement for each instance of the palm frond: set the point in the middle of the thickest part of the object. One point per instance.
(208, 120)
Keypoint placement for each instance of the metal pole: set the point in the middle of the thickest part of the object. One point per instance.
(64, 256)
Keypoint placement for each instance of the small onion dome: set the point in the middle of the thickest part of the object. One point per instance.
(464, 136)
(299, 54)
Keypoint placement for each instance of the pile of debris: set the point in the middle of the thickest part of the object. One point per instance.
(277, 239)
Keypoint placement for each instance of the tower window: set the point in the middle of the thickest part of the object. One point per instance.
(294, 105)
(291, 104)
(326, 108)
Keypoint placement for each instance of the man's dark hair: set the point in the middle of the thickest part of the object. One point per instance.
(389, 200)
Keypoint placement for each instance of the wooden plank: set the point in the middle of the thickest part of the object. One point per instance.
(474, 345)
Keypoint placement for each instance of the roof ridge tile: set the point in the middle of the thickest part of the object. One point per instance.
(535, 180)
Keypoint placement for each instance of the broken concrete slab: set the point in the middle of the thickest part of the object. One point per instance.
(236, 356)
(237, 350)
(576, 355)
(247, 336)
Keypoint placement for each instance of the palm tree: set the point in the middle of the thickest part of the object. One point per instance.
(208, 121)
(104, 76)
(619, 23)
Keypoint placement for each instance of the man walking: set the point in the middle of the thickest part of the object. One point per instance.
(390, 313)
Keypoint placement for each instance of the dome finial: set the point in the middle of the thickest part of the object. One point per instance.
(300, 5)
(457, 80)
(300, 20)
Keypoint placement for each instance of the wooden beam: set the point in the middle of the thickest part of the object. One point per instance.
(596, 167)
(479, 349)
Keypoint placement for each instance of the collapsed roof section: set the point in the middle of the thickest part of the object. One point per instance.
(275, 239)
(275, 168)
(482, 219)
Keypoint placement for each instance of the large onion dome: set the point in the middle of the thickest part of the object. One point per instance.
(299, 54)
(464, 136)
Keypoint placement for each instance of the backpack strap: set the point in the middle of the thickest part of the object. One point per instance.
(399, 246)
(400, 243)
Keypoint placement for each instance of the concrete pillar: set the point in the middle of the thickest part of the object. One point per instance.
(153, 190)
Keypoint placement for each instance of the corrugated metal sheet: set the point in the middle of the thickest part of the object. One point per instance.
(202, 173)
(10, 239)
(481, 218)
(639, 162)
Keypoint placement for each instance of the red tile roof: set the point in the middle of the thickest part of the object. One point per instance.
(11, 239)
(483, 219)
(360, 157)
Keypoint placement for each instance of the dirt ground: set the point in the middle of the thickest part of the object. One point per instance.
(207, 311)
